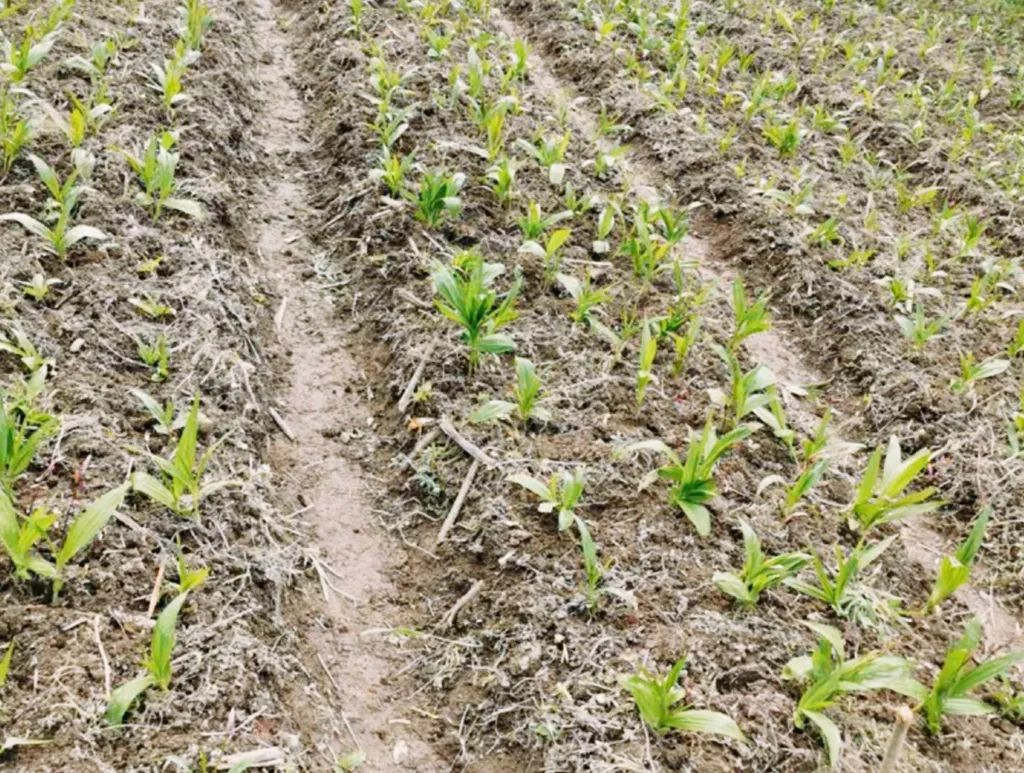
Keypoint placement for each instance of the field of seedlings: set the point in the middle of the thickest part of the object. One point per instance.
(512, 385)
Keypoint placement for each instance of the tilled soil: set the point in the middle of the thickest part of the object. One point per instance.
(334, 619)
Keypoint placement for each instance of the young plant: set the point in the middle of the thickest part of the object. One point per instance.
(758, 573)
(645, 367)
(809, 477)
(528, 396)
(156, 167)
(64, 198)
(949, 693)
(155, 356)
(748, 318)
(955, 570)
(549, 152)
(180, 487)
(918, 329)
(19, 537)
(392, 172)
(535, 223)
(167, 80)
(972, 371)
(594, 569)
(438, 197)
(84, 529)
(836, 588)
(880, 499)
(692, 479)
(826, 676)
(587, 297)
(158, 664)
(560, 494)
(22, 430)
(659, 701)
(748, 390)
(467, 299)
(166, 420)
(15, 131)
(501, 179)
(549, 253)
(194, 22)
(19, 59)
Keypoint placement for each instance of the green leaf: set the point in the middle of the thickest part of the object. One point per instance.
(830, 735)
(493, 410)
(162, 643)
(89, 523)
(5, 662)
(146, 484)
(124, 696)
(712, 722)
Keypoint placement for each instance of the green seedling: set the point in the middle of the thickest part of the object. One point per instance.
(16, 343)
(393, 171)
(84, 529)
(15, 131)
(22, 430)
(1016, 347)
(949, 693)
(955, 570)
(151, 308)
(795, 492)
(5, 662)
(561, 494)
(64, 199)
(549, 152)
(918, 329)
(19, 537)
(155, 356)
(747, 393)
(692, 479)
(501, 179)
(156, 168)
(82, 119)
(438, 197)
(645, 367)
(659, 701)
(605, 226)
(528, 397)
(158, 664)
(827, 676)
(39, 286)
(19, 59)
(95, 65)
(535, 223)
(587, 297)
(549, 253)
(166, 420)
(748, 318)
(758, 573)
(594, 569)
(880, 498)
(180, 487)
(972, 371)
(194, 21)
(467, 299)
(837, 588)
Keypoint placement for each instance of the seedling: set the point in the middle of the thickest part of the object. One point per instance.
(827, 676)
(594, 569)
(155, 356)
(392, 172)
(19, 537)
(156, 167)
(692, 479)
(195, 21)
(38, 287)
(549, 253)
(84, 529)
(167, 80)
(534, 223)
(659, 701)
(880, 499)
(645, 367)
(22, 430)
(918, 329)
(748, 390)
(20, 58)
(955, 570)
(1016, 346)
(63, 202)
(587, 297)
(972, 371)
(180, 488)
(166, 420)
(466, 298)
(949, 693)
(528, 396)
(15, 131)
(158, 664)
(758, 573)
(151, 308)
(836, 588)
(549, 152)
(749, 318)
(501, 179)
(437, 197)
(560, 494)
(795, 492)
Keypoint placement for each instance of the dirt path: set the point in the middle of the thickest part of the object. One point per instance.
(319, 407)
(923, 545)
